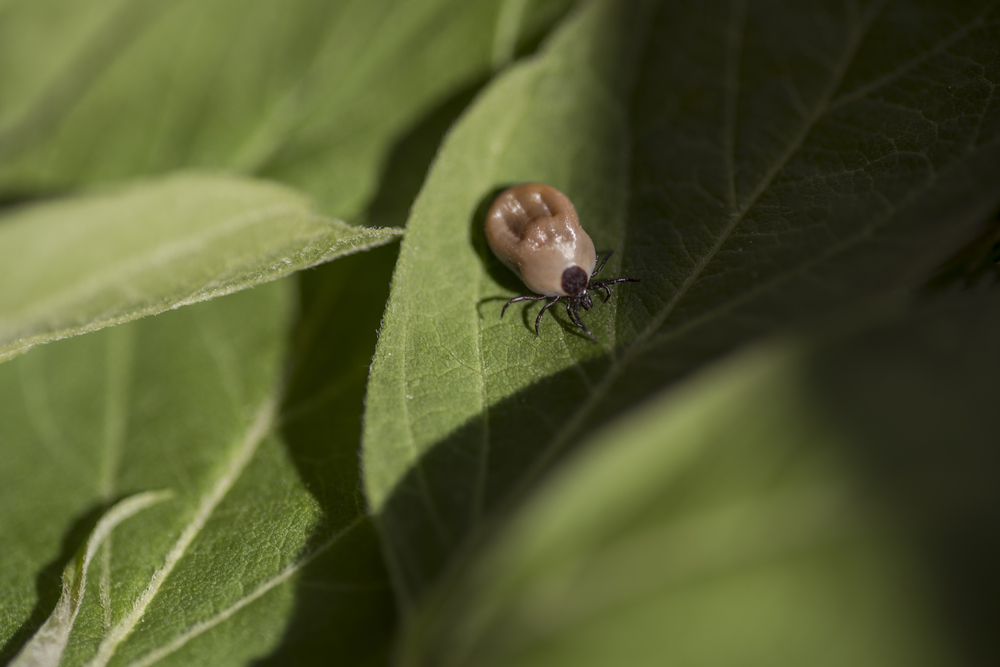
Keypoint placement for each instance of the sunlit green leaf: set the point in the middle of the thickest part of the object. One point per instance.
(757, 164)
(800, 504)
(47, 645)
(264, 547)
(88, 262)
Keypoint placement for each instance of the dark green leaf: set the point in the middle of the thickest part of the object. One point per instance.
(775, 161)
(48, 644)
(975, 265)
(799, 504)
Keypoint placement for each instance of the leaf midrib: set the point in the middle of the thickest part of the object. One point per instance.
(255, 434)
(201, 627)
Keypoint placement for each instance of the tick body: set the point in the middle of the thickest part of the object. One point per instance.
(534, 230)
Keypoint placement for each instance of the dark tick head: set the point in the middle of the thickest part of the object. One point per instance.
(574, 280)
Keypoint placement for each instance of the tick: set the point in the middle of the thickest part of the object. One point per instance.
(534, 230)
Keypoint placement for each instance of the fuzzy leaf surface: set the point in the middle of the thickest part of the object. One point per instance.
(88, 262)
(754, 164)
(48, 644)
(263, 552)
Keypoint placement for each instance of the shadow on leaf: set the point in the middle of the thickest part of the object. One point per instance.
(48, 582)
(344, 605)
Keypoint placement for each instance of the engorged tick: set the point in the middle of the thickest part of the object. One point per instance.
(534, 230)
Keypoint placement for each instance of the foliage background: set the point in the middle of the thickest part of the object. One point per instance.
(294, 430)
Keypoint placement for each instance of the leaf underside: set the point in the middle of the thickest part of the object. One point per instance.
(266, 528)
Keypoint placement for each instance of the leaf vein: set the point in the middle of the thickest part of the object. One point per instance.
(204, 626)
(244, 453)
(737, 29)
(123, 272)
(938, 48)
(640, 344)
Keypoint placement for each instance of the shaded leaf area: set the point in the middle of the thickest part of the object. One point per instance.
(858, 168)
(84, 263)
(188, 401)
(802, 502)
(332, 345)
(310, 92)
(976, 265)
(784, 160)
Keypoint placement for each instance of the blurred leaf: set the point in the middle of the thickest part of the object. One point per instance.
(311, 92)
(188, 401)
(775, 161)
(976, 264)
(88, 262)
(800, 504)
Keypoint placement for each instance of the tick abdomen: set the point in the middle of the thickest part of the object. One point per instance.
(534, 230)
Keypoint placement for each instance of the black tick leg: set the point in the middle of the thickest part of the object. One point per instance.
(601, 265)
(574, 316)
(525, 297)
(542, 312)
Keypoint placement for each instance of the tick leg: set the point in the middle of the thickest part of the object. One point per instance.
(525, 297)
(614, 281)
(538, 319)
(570, 312)
(574, 316)
(607, 292)
(603, 262)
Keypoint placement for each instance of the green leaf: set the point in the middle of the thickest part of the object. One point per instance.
(798, 504)
(47, 645)
(975, 265)
(770, 163)
(341, 304)
(312, 93)
(266, 525)
(88, 262)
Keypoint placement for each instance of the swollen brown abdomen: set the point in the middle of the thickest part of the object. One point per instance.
(534, 230)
